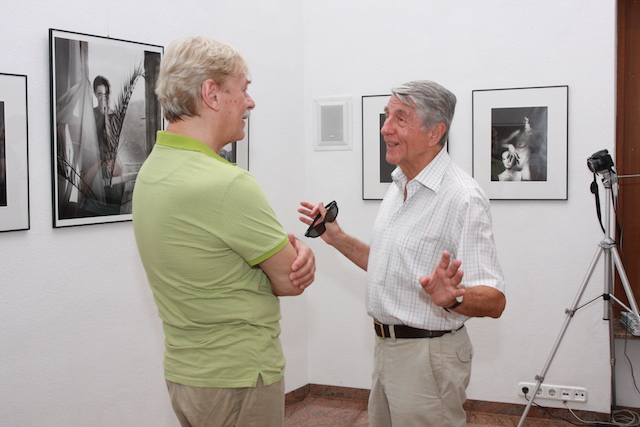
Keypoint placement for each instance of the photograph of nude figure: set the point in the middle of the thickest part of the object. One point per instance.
(520, 142)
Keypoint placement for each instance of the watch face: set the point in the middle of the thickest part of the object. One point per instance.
(460, 298)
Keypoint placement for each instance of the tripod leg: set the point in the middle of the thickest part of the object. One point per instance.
(625, 281)
(608, 278)
(570, 312)
(612, 353)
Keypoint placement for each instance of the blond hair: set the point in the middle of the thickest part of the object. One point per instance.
(186, 65)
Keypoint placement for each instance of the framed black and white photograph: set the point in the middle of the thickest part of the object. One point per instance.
(14, 161)
(238, 152)
(376, 171)
(520, 142)
(105, 116)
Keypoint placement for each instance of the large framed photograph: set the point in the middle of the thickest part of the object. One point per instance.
(238, 152)
(105, 115)
(14, 162)
(520, 142)
(376, 172)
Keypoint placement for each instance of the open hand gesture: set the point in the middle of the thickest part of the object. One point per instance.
(442, 283)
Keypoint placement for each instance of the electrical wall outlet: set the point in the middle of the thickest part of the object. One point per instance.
(579, 395)
(555, 392)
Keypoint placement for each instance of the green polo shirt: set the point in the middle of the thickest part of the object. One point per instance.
(202, 225)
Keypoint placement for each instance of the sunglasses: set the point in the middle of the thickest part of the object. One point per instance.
(316, 230)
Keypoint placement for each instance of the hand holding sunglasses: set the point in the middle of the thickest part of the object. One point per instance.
(318, 227)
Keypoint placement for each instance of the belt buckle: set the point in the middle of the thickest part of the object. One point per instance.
(375, 322)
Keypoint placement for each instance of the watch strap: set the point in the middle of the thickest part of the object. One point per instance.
(455, 305)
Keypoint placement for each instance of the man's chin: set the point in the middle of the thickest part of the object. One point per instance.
(390, 158)
(239, 136)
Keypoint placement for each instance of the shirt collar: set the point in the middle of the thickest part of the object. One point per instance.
(187, 143)
(430, 176)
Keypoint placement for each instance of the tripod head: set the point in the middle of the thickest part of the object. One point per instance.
(601, 163)
(609, 177)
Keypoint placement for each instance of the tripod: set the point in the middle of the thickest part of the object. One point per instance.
(607, 246)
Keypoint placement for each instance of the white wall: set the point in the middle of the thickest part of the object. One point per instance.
(81, 343)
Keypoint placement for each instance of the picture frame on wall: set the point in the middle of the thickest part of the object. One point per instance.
(238, 152)
(520, 141)
(376, 171)
(105, 116)
(14, 153)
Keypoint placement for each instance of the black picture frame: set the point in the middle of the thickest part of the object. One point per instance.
(14, 153)
(520, 142)
(104, 119)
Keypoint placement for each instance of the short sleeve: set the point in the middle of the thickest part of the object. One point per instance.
(477, 248)
(249, 226)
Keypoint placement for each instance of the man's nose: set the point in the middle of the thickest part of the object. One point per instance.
(386, 129)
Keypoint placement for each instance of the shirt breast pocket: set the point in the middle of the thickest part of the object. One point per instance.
(420, 251)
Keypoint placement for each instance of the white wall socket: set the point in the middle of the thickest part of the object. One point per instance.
(555, 392)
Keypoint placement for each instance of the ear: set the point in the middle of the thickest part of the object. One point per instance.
(210, 92)
(436, 133)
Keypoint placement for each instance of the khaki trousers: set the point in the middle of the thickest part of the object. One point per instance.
(260, 406)
(420, 381)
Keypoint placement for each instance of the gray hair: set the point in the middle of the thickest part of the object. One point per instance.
(433, 103)
(186, 65)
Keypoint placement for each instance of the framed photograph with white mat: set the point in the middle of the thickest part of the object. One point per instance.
(104, 119)
(14, 162)
(520, 139)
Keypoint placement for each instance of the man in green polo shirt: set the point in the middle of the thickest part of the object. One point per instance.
(216, 257)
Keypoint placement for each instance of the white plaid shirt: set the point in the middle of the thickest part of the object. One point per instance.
(445, 209)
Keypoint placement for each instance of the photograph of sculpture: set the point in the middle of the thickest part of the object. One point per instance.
(105, 115)
(520, 142)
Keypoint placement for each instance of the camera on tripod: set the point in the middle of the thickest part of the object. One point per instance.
(600, 161)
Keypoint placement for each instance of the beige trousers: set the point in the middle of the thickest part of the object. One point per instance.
(420, 381)
(260, 406)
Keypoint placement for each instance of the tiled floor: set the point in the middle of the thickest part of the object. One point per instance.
(318, 411)
(321, 411)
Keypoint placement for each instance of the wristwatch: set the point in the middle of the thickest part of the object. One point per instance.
(456, 304)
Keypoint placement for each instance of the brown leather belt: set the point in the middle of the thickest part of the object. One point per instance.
(402, 331)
